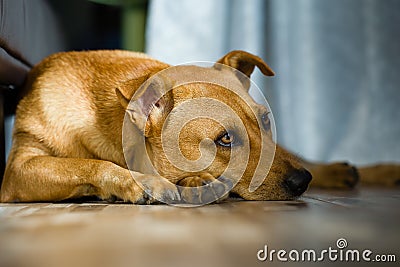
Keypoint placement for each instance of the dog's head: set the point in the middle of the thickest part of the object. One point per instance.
(189, 125)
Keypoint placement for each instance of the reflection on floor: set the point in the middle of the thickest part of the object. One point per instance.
(227, 234)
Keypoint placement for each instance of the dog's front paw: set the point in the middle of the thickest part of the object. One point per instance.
(157, 189)
(203, 188)
(335, 175)
(120, 183)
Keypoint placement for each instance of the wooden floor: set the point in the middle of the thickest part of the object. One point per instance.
(227, 234)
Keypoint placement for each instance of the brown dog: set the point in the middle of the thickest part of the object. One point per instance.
(67, 136)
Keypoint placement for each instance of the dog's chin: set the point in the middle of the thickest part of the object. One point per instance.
(265, 197)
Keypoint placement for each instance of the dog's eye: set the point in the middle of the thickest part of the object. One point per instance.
(225, 140)
(265, 121)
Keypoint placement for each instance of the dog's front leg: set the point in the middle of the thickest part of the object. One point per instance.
(46, 178)
(344, 175)
(332, 175)
(380, 174)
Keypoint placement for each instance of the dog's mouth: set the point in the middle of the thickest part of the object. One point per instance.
(235, 196)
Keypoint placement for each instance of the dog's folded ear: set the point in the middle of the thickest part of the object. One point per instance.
(146, 100)
(245, 62)
(126, 90)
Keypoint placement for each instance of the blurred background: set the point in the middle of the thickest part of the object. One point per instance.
(336, 93)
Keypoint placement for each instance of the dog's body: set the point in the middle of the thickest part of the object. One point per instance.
(67, 136)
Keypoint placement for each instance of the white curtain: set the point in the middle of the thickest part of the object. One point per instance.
(336, 95)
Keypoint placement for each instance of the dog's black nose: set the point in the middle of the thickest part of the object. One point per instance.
(297, 182)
